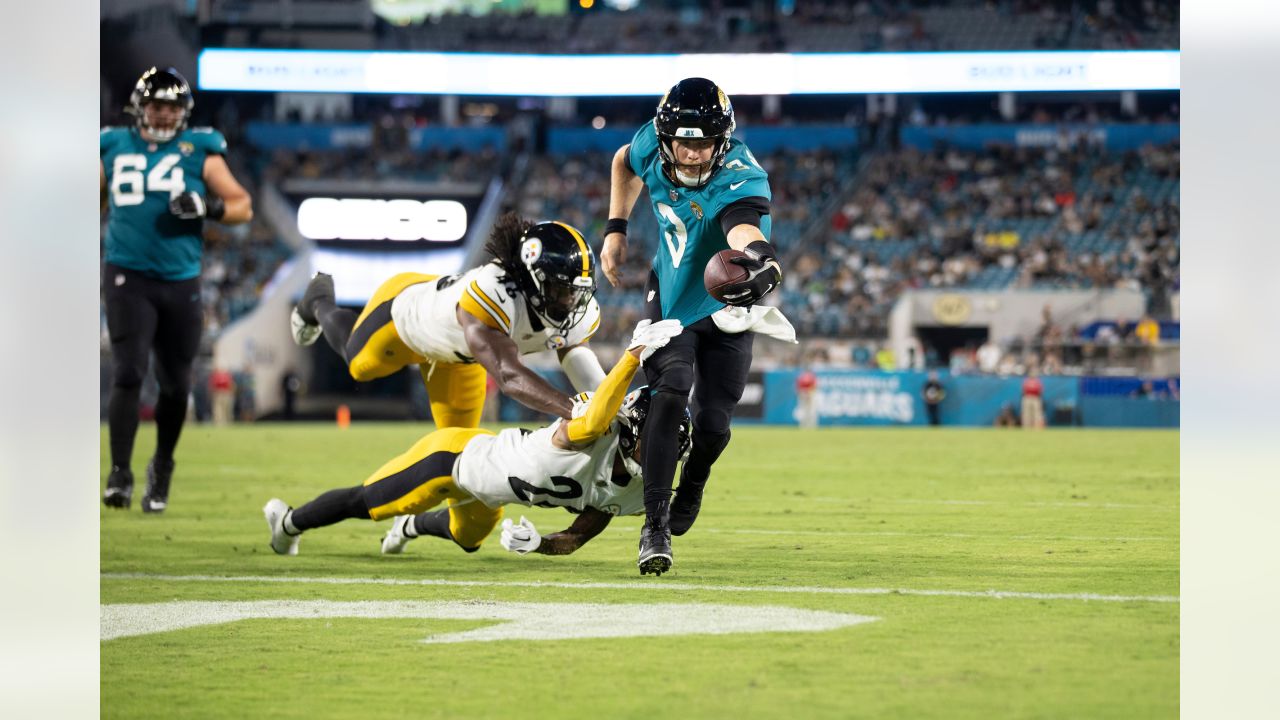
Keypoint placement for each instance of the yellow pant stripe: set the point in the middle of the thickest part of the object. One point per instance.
(420, 478)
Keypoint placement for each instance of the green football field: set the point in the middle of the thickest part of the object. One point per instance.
(881, 573)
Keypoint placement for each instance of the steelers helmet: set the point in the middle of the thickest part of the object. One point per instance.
(164, 86)
(694, 108)
(556, 274)
(632, 417)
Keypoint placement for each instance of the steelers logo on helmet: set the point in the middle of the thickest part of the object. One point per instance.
(695, 109)
(558, 281)
(531, 250)
(158, 89)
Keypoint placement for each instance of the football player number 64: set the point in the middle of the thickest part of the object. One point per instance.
(676, 229)
(127, 186)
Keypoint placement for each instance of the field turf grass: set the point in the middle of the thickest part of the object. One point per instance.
(1083, 524)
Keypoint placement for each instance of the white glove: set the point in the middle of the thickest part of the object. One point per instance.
(581, 402)
(653, 336)
(522, 538)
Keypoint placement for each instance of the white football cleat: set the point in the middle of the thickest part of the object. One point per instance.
(303, 334)
(281, 542)
(395, 540)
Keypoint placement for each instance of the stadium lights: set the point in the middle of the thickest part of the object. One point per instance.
(645, 75)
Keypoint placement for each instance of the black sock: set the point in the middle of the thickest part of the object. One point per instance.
(434, 523)
(337, 324)
(122, 419)
(704, 453)
(332, 507)
(171, 413)
(661, 445)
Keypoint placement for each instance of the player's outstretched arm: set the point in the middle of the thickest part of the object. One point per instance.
(499, 355)
(581, 366)
(237, 206)
(522, 538)
(590, 523)
(624, 189)
(588, 427)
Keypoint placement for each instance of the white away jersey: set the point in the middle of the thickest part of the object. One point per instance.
(523, 467)
(426, 319)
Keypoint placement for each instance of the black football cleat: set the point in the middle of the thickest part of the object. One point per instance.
(685, 506)
(119, 492)
(302, 321)
(655, 549)
(159, 474)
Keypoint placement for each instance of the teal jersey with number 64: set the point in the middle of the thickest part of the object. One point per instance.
(142, 177)
(689, 221)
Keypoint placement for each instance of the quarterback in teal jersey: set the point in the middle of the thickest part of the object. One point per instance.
(709, 194)
(159, 181)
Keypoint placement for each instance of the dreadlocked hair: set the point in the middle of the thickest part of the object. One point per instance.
(504, 241)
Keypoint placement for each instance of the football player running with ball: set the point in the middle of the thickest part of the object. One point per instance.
(159, 181)
(709, 194)
(586, 465)
(537, 293)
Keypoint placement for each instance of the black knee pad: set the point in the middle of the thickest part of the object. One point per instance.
(127, 377)
(674, 376)
(711, 422)
(713, 442)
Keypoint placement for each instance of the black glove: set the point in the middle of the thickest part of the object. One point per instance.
(762, 277)
(191, 205)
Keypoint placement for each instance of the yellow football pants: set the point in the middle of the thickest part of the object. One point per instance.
(422, 477)
(456, 390)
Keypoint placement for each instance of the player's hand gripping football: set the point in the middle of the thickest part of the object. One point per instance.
(520, 538)
(763, 275)
(191, 205)
(653, 335)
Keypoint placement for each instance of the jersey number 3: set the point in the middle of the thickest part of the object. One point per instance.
(673, 227)
(127, 185)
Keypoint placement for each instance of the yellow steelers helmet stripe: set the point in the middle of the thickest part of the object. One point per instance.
(492, 307)
(582, 245)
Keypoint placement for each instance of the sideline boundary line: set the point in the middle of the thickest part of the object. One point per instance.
(640, 585)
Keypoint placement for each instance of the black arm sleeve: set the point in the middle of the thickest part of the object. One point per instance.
(626, 158)
(746, 211)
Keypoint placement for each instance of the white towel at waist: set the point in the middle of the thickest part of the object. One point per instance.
(762, 319)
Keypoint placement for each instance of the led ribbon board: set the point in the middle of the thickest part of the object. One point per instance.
(647, 75)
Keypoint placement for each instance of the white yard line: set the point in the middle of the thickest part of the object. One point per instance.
(513, 620)
(844, 533)
(654, 585)
(872, 502)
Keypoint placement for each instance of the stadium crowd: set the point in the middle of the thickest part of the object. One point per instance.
(843, 26)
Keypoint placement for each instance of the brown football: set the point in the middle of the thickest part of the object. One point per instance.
(721, 273)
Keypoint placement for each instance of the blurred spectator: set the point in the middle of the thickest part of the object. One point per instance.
(290, 386)
(806, 399)
(988, 357)
(222, 386)
(1032, 402)
(934, 394)
(1148, 331)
